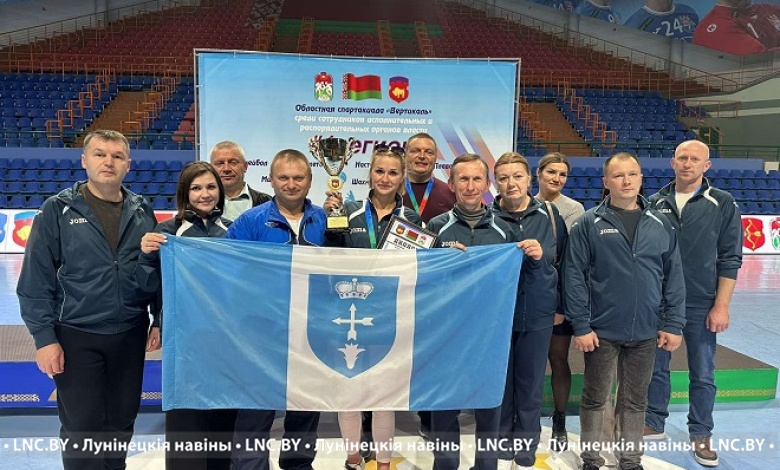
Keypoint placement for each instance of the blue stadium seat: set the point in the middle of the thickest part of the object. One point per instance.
(32, 164)
(159, 165)
(160, 203)
(35, 201)
(63, 175)
(13, 174)
(63, 164)
(160, 176)
(153, 189)
(143, 165)
(752, 208)
(49, 188)
(46, 174)
(767, 208)
(31, 187)
(175, 165)
(136, 187)
(13, 186)
(17, 201)
(143, 176)
(168, 189)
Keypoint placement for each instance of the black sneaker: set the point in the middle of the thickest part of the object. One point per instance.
(425, 433)
(366, 439)
(590, 466)
(559, 431)
(354, 466)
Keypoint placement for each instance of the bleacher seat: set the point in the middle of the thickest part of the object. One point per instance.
(17, 201)
(160, 203)
(35, 201)
(752, 208)
(168, 189)
(31, 187)
(49, 188)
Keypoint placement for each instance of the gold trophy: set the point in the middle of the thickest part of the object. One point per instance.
(333, 154)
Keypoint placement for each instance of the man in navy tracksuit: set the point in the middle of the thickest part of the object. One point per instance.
(289, 218)
(471, 223)
(80, 301)
(624, 294)
(709, 227)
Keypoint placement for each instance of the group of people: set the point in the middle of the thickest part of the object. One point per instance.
(624, 279)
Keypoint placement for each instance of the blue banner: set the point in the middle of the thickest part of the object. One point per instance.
(265, 326)
(268, 102)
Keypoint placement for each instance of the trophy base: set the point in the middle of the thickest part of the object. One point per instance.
(337, 223)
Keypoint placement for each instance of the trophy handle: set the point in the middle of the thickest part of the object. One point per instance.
(350, 150)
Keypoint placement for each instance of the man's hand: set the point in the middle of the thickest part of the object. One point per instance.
(153, 342)
(558, 319)
(51, 359)
(532, 248)
(459, 246)
(718, 319)
(587, 343)
(668, 341)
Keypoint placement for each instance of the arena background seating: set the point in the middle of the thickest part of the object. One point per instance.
(135, 74)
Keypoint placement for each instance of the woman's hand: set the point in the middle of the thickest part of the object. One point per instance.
(152, 241)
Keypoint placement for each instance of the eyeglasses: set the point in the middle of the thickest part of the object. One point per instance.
(395, 150)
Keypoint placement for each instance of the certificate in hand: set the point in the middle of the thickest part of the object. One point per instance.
(404, 235)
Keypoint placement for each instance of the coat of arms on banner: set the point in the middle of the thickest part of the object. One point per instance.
(775, 233)
(351, 320)
(323, 87)
(753, 233)
(399, 89)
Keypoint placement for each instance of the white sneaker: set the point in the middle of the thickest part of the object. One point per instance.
(504, 464)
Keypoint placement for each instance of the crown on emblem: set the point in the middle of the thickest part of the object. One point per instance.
(354, 289)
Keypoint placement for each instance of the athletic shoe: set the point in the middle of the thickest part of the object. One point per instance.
(703, 453)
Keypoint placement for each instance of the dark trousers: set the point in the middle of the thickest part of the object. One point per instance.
(99, 393)
(633, 363)
(521, 408)
(183, 427)
(255, 426)
(446, 433)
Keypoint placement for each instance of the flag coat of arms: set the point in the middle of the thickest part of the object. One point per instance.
(264, 326)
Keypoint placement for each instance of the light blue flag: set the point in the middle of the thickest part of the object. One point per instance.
(265, 326)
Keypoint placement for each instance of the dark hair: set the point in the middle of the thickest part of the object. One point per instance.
(465, 158)
(553, 157)
(191, 171)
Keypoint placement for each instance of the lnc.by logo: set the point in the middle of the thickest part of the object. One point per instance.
(351, 320)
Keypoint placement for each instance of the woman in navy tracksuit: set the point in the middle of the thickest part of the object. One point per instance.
(368, 220)
(200, 198)
(538, 298)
